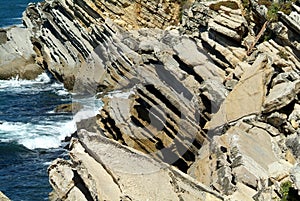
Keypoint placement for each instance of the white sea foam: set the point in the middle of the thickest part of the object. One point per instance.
(49, 132)
(120, 94)
(16, 83)
(62, 92)
(91, 107)
(42, 135)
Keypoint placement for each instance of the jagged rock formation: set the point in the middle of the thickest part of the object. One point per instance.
(66, 32)
(209, 107)
(17, 56)
(110, 171)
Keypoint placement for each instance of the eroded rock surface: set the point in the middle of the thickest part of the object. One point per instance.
(17, 58)
(110, 171)
(206, 106)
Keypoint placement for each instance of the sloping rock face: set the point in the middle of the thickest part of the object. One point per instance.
(110, 171)
(198, 97)
(209, 109)
(67, 32)
(17, 58)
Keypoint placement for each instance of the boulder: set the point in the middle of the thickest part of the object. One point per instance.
(281, 95)
(243, 157)
(68, 108)
(17, 57)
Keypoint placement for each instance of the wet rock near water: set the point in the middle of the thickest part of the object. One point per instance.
(68, 108)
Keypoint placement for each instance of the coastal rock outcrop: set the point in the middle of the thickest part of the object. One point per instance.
(206, 106)
(103, 169)
(67, 32)
(207, 98)
(17, 58)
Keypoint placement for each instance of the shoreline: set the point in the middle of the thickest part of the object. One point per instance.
(206, 98)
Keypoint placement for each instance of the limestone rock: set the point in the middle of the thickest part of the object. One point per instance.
(109, 170)
(293, 143)
(215, 92)
(65, 183)
(68, 108)
(160, 87)
(295, 176)
(281, 95)
(241, 157)
(3, 197)
(292, 20)
(17, 58)
(247, 96)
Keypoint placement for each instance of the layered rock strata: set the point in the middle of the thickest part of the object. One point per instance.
(111, 171)
(208, 108)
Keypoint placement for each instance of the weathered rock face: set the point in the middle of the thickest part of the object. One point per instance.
(246, 155)
(250, 92)
(213, 97)
(199, 97)
(102, 169)
(67, 32)
(17, 58)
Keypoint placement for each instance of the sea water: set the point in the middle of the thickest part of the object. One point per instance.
(11, 11)
(30, 135)
(30, 130)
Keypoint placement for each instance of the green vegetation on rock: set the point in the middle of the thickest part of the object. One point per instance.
(229, 4)
(275, 7)
(288, 193)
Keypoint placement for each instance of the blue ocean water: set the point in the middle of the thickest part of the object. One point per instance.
(30, 132)
(11, 11)
(30, 135)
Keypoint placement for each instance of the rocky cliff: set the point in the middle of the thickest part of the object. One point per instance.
(201, 99)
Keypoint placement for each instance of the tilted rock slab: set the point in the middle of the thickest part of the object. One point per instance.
(243, 158)
(106, 170)
(247, 97)
(17, 57)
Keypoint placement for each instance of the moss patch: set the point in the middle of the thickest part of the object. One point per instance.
(230, 4)
(274, 7)
(283, 55)
(288, 193)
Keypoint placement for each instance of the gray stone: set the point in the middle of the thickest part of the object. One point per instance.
(17, 57)
(295, 176)
(281, 95)
(188, 52)
(247, 96)
(215, 92)
(112, 171)
(293, 143)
